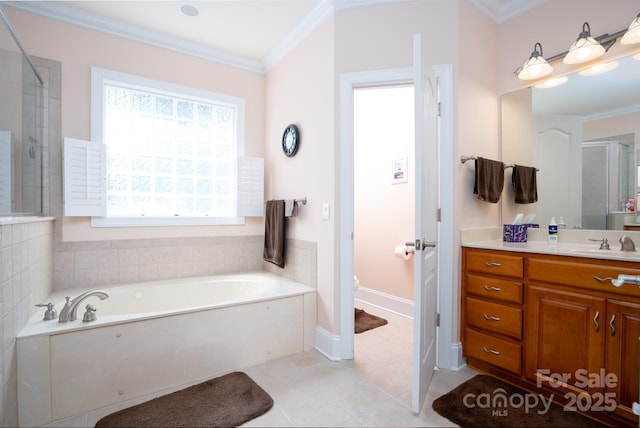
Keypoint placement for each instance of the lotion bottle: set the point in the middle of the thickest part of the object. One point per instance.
(553, 231)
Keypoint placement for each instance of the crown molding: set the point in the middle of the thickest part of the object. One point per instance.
(501, 12)
(322, 11)
(94, 22)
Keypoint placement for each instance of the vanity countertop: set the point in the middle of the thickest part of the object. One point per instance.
(573, 243)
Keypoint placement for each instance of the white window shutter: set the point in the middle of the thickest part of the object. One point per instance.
(250, 195)
(85, 165)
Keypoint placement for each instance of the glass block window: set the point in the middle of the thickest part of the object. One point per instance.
(171, 151)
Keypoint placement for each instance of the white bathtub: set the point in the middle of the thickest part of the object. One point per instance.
(153, 336)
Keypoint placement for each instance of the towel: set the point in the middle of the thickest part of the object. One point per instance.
(489, 180)
(290, 208)
(525, 186)
(274, 233)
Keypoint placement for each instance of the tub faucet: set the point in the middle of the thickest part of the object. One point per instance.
(68, 312)
(627, 244)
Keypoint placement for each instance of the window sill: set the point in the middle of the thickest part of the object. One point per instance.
(165, 221)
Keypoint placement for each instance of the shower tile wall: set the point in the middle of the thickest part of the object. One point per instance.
(25, 274)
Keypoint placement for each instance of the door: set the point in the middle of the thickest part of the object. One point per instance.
(559, 323)
(623, 354)
(426, 226)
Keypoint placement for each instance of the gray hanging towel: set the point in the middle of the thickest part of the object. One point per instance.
(525, 185)
(274, 233)
(489, 180)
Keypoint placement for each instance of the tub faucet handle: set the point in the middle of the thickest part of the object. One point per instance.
(90, 314)
(50, 313)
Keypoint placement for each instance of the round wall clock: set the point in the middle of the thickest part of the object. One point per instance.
(290, 140)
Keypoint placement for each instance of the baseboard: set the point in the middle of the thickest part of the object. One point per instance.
(386, 301)
(328, 344)
(458, 362)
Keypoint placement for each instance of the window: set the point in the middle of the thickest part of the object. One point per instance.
(171, 152)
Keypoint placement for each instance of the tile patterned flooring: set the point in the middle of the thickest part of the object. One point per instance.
(372, 390)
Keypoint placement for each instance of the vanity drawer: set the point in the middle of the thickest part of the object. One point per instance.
(493, 288)
(494, 317)
(496, 264)
(583, 275)
(498, 352)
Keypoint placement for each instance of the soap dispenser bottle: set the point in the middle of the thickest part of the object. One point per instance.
(553, 231)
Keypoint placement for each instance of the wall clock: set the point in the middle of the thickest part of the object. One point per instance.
(290, 140)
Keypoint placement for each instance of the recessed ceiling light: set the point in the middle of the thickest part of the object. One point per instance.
(188, 8)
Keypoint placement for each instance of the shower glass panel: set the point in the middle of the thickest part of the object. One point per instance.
(20, 128)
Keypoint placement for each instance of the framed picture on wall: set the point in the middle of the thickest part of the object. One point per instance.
(399, 171)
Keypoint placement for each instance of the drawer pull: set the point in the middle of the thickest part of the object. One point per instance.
(490, 351)
(597, 278)
(486, 287)
(490, 318)
(492, 264)
(613, 329)
(595, 321)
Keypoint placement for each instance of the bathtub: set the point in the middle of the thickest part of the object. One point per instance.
(155, 336)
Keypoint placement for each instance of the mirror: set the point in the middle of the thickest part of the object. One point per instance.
(584, 138)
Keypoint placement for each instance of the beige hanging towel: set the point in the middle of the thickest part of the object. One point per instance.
(489, 180)
(274, 233)
(525, 186)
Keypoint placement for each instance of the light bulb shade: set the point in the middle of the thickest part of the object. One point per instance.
(536, 66)
(632, 36)
(585, 48)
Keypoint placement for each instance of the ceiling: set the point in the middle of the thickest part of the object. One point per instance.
(251, 34)
(256, 34)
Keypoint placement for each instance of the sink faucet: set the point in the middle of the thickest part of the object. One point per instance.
(627, 244)
(68, 312)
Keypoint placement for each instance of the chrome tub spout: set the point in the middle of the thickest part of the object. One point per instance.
(70, 309)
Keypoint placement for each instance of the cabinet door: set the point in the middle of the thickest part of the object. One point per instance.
(622, 355)
(564, 336)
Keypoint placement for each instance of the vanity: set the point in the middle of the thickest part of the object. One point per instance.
(548, 319)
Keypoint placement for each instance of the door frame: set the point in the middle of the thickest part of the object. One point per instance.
(447, 349)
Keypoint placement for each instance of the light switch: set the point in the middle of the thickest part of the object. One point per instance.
(325, 211)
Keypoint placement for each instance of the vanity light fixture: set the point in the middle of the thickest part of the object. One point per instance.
(600, 68)
(632, 35)
(553, 82)
(585, 48)
(637, 56)
(536, 66)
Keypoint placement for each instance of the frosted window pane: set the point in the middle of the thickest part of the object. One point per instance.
(164, 150)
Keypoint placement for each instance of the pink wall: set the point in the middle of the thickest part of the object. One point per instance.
(383, 211)
(79, 49)
(300, 90)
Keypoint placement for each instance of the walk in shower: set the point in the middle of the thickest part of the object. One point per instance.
(21, 128)
(608, 181)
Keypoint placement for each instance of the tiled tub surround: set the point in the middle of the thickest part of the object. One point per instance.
(211, 326)
(98, 263)
(25, 273)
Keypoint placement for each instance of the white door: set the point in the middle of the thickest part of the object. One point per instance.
(426, 226)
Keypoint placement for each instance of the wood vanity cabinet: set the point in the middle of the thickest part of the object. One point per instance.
(561, 316)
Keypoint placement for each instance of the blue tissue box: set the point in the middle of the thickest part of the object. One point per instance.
(514, 233)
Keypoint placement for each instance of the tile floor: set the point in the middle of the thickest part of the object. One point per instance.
(309, 390)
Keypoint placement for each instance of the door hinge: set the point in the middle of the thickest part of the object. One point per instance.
(437, 320)
(439, 108)
(439, 215)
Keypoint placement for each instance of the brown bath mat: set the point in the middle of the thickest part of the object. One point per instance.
(466, 407)
(366, 321)
(226, 401)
